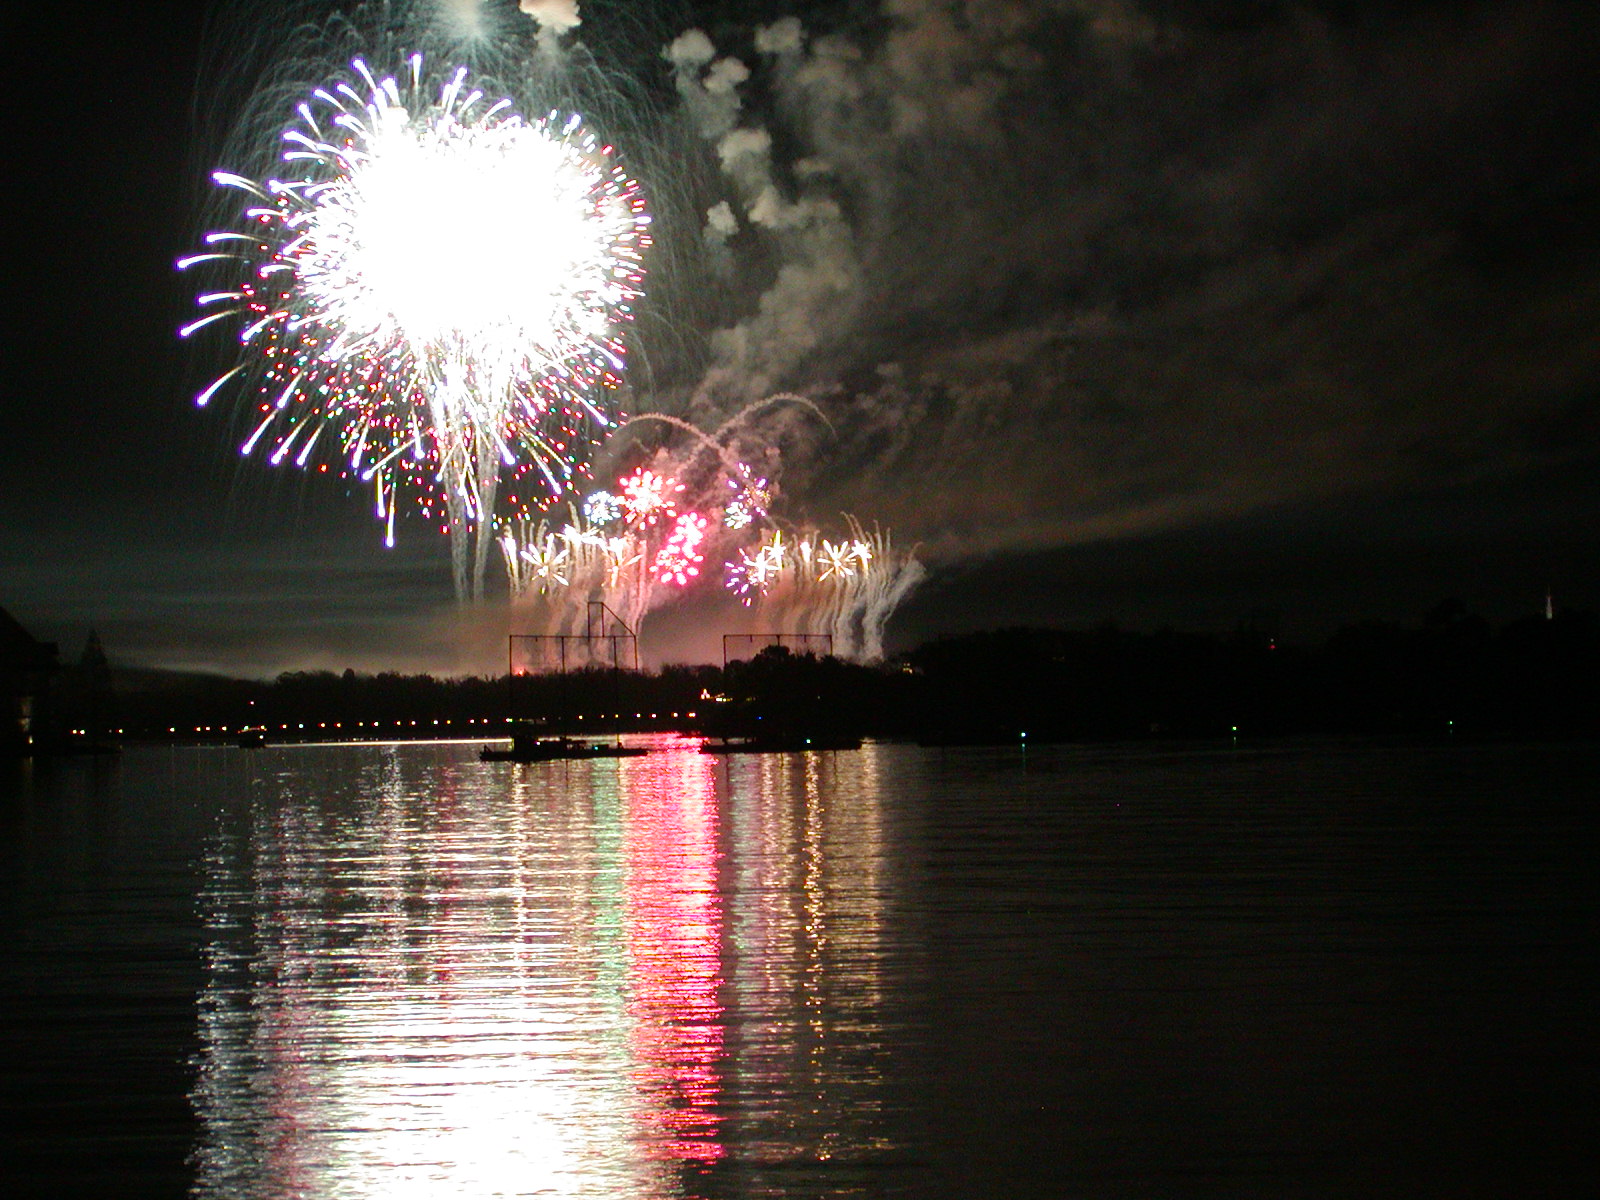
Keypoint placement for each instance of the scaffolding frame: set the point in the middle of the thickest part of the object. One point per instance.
(594, 635)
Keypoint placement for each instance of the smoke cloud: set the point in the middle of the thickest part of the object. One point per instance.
(1084, 270)
(552, 16)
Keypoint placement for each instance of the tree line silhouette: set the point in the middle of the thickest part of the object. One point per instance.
(1453, 674)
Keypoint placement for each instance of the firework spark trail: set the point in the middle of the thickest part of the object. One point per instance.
(803, 582)
(887, 580)
(555, 573)
(642, 542)
(846, 589)
(441, 282)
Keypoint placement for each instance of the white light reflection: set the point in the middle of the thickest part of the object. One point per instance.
(807, 854)
(433, 980)
(653, 978)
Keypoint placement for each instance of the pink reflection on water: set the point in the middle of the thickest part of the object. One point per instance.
(673, 915)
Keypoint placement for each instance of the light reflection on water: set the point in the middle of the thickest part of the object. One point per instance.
(1310, 970)
(433, 977)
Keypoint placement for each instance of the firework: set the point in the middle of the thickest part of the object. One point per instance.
(648, 498)
(739, 577)
(646, 538)
(547, 560)
(679, 560)
(440, 283)
(602, 508)
(752, 574)
(808, 583)
(750, 501)
(836, 560)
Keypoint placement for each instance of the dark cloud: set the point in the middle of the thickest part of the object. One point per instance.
(1077, 271)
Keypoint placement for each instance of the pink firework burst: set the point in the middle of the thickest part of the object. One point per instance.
(679, 560)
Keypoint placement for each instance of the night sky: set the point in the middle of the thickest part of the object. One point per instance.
(1163, 313)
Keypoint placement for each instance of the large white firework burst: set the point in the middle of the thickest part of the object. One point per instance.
(439, 280)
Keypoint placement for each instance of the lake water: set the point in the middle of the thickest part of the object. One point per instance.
(394, 971)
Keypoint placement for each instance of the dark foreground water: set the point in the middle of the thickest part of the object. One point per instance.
(393, 971)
